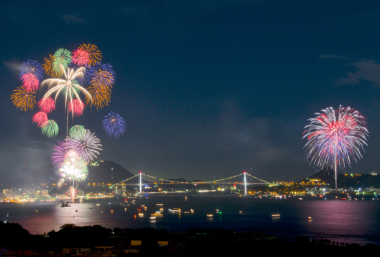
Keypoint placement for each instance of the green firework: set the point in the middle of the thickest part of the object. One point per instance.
(61, 57)
(77, 131)
(50, 128)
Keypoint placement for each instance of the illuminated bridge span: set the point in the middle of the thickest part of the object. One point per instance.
(166, 181)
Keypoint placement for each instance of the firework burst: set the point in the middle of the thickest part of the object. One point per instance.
(63, 150)
(48, 67)
(77, 131)
(76, 106)
(114, 125)
(23, 99)
(335, 137)
(94, 54)
(80, 57)
(50, 128)
(46, 105)
(100, 96)
(67, 85)
(40, 118)
(30, 82)
(62, 57)
(101, 75)
(74, 168)
(90, 145)
(32, 67)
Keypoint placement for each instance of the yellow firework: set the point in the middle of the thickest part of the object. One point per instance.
(101, 96)
(23, 99)
(49, 68)
(102, 78)
(94, 53)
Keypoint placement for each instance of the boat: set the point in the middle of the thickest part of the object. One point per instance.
(91, 207)
(240, 212)
(275, 215)
(98, 204)
(76, 210)
(160, 204)
(65, 204)
(152, 217)
(191, 211)
(36, 210)
(309, 218)
(209, 215)
(300, 199)
(175, 210)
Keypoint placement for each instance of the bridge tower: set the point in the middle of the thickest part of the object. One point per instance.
(245, 182)
(140, 182)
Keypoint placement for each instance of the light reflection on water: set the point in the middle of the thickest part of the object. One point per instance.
(344, 221)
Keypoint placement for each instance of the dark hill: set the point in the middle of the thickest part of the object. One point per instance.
(107, 172)
(347, 180)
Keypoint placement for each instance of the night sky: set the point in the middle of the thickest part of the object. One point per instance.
(207, 88)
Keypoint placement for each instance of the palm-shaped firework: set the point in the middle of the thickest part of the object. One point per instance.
(68, 86)
(335, 137)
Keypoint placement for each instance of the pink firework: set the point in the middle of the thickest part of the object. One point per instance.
(30, 82)
(80, 57)
(46, 105)
(40, 118)
(335, 138)
(77, 107)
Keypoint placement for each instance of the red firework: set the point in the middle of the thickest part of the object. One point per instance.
(40, 118)
(46, 105)
(30, 82)
(80, 57)
(77, 107)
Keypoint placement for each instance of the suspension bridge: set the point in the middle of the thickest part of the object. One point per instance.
(222, 181)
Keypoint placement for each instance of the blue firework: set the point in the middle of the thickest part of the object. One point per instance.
(33, 67)
(114, 125)
(100, 75)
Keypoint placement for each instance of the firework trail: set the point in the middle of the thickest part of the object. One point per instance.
(80, 57)
(67, 85)
(40, 118)
(76, 107)
(94, 54)
(114, 125)
(335, 137)
(23, 99)
(30, 82)
(32, 67)
(50, 128)
(46, 105)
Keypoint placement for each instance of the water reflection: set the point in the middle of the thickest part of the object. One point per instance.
(346, 220)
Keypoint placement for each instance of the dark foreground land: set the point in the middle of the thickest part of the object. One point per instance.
(71, 240)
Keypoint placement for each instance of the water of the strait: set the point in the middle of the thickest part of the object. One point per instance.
(338, 220)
